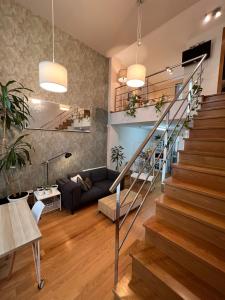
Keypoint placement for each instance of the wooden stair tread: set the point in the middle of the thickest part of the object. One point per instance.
(213, 101)
(207, 170)
(211, 108)
(205, 139)
(195, 188)
(199, 248)
(175, 277)
(207, 128)
(139, 292)
(208, 117)
(206, 217)
(203, 153)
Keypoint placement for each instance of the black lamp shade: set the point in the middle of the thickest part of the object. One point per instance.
(68, 154)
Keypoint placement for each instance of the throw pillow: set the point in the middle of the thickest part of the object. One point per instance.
(75, 178)
(88, 183)
(83, 184)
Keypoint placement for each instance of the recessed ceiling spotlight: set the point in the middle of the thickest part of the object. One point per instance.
(207, 18)
(169, 70)
(217, 12)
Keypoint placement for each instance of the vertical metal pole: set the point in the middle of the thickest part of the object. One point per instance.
(117, 235)
(165, 151)
(47, 171)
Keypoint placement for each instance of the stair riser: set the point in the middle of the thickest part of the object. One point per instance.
(208, 133)
(214, 98)
(153, 282)
(202, 160)
(212, 113)
(203, 179)
(214, 123)
(213, 104)
(203, 270)
(191, 225)
(207, 146)
(199, 200)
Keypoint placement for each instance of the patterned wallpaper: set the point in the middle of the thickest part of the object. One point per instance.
(25, 41)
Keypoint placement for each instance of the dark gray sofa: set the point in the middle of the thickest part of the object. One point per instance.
(74, 197)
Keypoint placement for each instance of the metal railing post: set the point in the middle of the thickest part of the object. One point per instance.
(117, 235)
(165, 151)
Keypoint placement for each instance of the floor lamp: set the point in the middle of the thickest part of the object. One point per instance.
(46, 163)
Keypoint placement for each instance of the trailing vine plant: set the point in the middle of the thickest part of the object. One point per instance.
(131, 107)
(160, 104)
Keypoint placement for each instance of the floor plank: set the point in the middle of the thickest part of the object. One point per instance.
(77, 256)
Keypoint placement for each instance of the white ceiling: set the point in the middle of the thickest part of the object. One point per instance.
(108, 26)
(164, 46)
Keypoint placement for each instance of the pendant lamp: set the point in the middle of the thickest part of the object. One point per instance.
(53, 76)
(136, 73)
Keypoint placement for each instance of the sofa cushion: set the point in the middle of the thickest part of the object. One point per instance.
(94, 193)
(83, 174)
(99, 174)
(104, 186)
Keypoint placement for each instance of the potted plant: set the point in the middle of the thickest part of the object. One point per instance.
(117, 156)
(14, 113)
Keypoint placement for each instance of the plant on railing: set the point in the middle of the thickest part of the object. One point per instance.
(196, 89)
(14, 112)
(160, 104)
(117, 156)
(131, 107)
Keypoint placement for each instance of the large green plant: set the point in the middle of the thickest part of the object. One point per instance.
(14, 113)
(117, 156)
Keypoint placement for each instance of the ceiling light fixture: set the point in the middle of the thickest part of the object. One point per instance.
(136, 73)
(207, 18)
(122, 76)
(217, 12)
(169, 70)
(53, 76)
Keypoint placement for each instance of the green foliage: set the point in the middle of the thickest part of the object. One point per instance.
(16, 154)
(196, 89)
(159, 104)
(131, 108)
(117, 156)
(14, 112)
(14, 109)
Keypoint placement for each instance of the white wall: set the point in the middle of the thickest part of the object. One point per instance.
(211, 65)
(128, 137)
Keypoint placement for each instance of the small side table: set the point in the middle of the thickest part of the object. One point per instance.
(52, 201)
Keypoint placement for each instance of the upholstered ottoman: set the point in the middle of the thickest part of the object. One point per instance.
(107, 205)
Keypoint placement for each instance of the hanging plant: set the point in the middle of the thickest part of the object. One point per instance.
(159, 104)
(131, 108)
(196, 89)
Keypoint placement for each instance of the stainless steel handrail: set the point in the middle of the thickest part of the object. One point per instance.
(151, 133)
(191, 101)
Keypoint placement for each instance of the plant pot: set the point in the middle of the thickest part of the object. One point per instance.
(18, 197)
(40, 191)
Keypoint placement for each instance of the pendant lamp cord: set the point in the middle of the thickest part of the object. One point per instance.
(139, 23)
(53, 32)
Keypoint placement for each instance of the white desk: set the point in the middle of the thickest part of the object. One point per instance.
(18, 229)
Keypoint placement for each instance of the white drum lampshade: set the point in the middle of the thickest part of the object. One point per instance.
(52, 77)
(136, 75)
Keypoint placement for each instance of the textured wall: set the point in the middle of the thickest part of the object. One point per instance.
(25, 41)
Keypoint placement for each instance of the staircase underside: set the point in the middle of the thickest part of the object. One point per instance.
(183, 255)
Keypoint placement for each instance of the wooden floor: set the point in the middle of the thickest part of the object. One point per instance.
(77, 257)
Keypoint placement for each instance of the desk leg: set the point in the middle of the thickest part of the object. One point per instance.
(37, 262)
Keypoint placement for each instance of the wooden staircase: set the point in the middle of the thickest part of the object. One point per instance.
(183, 255)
